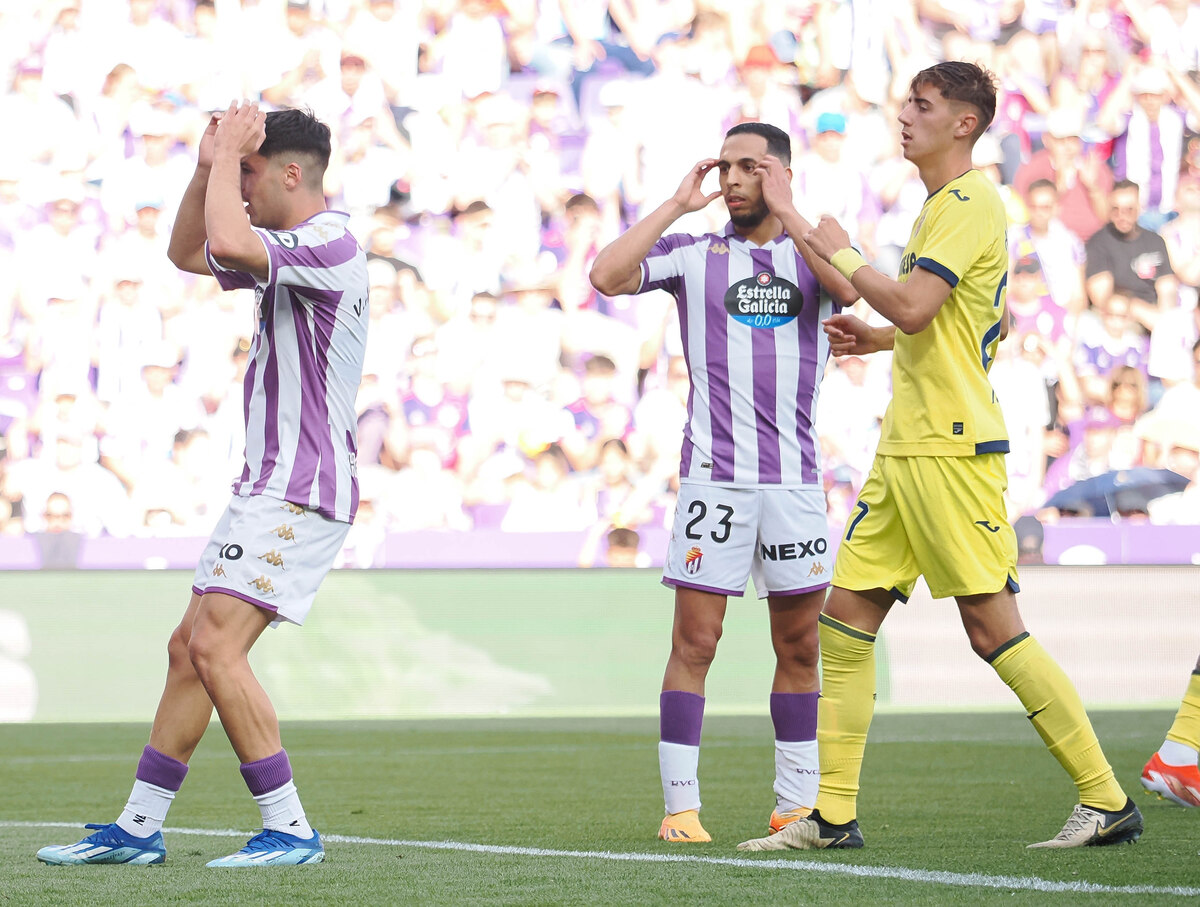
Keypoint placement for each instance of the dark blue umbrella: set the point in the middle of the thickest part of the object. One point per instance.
(1119, 491)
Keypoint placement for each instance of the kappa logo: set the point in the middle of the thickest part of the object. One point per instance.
(691, 560)
(718, 248)
(818, 569)
(262, 584)
(293, 508)
(272, 557)
(218, 570)
(285, 532)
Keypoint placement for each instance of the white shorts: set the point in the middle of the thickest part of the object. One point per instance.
(271, 554)
(722, 536)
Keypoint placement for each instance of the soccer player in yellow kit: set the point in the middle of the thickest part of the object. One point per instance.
(933, 502)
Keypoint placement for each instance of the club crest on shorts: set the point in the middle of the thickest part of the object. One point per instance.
(764, 301)
(691, 560)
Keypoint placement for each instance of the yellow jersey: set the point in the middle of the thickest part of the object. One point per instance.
(942, 400)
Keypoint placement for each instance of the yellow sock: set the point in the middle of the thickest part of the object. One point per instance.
(1186, 728)
(844, 714)
(1057, 714)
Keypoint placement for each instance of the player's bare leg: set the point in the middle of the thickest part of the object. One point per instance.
(794, 693)
(225, 630)
(184, 713)
(695, 633)
(222, 635)
(185, 709)
(847, 628)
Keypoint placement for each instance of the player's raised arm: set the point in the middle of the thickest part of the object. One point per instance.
(910, 306)
(231, 241)
(777, 193)
(617, 270)
(188, 234)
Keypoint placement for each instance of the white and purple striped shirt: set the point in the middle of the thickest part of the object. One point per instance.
(305, 366)
(750, 318)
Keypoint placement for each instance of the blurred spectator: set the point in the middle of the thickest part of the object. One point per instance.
(549, 500)
(1125, 257)
(828, 183)
(597, 415)
(1149, 139)
(1030, 305)
(297, 59)
(1106, 342)
(58, 543)
(1081, 174)
(1058, 251)
(1030, 536)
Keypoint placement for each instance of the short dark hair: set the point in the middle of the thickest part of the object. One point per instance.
(1121, 185)
(778, 142)
(963, 82)
(1042, 184)
(299, 132)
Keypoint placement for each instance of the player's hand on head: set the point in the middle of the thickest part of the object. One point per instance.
(775, 183)
(204, 154)
(689, 195)
(241, 129)
(827, 237)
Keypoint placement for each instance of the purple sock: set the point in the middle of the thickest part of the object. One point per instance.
(160, 769)
(794, 716)
(680, 716)
(266, 775)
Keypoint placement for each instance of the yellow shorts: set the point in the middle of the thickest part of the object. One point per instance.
(938, 517)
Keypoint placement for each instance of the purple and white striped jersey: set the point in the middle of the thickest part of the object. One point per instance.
(751, 323)
(305, 366)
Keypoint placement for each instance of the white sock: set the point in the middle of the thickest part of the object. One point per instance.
(281, 811)
(797, 774)
(677, 765)
(1174, 753)
(146, 810)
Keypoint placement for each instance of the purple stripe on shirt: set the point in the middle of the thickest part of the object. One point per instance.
(330, 255)
(270, 390)
(808, 335)
(716, 353)
(762, 346)
(314, 411)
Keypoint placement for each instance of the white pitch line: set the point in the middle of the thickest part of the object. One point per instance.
(925, 876)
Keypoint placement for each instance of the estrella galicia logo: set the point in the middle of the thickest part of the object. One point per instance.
(764, 301)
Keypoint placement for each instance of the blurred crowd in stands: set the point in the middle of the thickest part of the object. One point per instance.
(486, 150)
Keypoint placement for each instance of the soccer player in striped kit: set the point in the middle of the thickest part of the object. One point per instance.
(254, 216)
(751, 501)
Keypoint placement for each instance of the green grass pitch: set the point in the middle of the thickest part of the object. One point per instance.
(564, 811)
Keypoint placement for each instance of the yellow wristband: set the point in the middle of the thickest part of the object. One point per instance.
(847, 261)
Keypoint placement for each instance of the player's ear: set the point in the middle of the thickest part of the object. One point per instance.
(292, 175)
